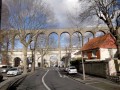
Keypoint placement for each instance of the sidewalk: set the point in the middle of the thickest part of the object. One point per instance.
(98, 82)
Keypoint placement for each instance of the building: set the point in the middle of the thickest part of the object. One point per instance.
(100, 48)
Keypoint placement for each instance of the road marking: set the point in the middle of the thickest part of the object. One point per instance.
(59, 73)
(44, 81)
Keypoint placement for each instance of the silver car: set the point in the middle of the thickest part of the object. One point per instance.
(14, 71)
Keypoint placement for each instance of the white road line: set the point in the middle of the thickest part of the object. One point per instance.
(44, 81)
(59, 73)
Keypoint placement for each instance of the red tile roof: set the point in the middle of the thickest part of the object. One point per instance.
(106, 41)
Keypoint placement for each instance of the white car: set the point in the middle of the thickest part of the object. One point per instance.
(5, 68)
(14, 71)
(72, 70)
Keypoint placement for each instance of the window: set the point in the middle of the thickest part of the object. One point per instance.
(85, 55)
(94, 53)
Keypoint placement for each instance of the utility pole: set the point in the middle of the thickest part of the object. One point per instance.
(83, 67)
(0, 12)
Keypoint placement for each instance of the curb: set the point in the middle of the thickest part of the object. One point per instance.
(7, 83)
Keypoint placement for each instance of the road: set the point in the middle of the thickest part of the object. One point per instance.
(33, 81)
(51, 80)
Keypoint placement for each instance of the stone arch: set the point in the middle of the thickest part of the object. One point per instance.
(87, 36)
(53, 60)
(99, 33)
(77, 39)
(42, 40)
(17, 61)
(65, 40)
(53, 40)
(65, 32)
(17, 42)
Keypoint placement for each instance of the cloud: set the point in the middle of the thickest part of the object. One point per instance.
(61, 8)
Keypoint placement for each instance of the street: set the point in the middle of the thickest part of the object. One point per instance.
(33, 81)
(50, 79)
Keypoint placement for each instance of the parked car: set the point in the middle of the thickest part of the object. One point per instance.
(14, 71)
(66, 69)
(72, 70)
(5, 68)
(1, 77)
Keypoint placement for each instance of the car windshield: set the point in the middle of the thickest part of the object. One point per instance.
(4, 66)
(13, 69)
(72, 68)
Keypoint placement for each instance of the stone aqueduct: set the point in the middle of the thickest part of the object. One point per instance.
(59, 53)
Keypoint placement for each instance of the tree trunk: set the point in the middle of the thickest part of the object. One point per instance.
(25, 60)
(42, 61)
(118, 47)
(33, 62)
(118, 51)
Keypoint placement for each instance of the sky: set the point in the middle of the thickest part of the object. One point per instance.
(61, 8)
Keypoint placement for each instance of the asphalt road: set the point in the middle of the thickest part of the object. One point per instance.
(56, 82)
(33, 81)
(51, 80)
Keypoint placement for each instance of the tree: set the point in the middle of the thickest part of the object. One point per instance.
(108, 12)
(26, 16)
(5, 43)
(42, 46)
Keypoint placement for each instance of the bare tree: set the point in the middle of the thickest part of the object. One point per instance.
(42, 46)
(26, 16)
(5, 17)
(108, 12)
(5, 46)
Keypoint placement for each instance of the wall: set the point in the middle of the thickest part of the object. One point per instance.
(104, 53)
(101, 68)
(95, 68)
(19, 53)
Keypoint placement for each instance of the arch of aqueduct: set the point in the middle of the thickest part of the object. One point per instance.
(58, 52)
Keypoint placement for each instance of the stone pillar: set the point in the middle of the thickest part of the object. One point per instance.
(59, 46)
(82, 40)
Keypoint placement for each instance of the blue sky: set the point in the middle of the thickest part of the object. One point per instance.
(61, 9)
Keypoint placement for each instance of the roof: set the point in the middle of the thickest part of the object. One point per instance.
(106, 41)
